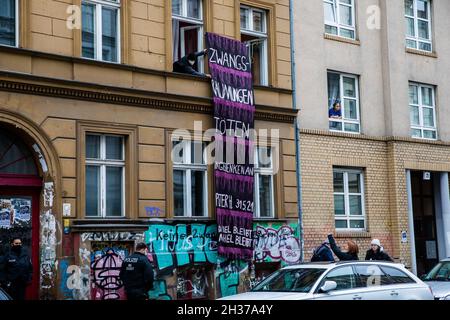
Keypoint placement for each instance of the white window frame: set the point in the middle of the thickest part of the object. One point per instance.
(416, 19)
(264, 172)
(199, 24)
(98, 28)
(347, 217)
(102, 162)
(188, 167)
(338, 25)
(16, 25)
(342, 97)
(421, 106)
(262, 36)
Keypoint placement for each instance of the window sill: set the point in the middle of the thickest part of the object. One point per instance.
(422, 53)
(341, 39)
(353, 234)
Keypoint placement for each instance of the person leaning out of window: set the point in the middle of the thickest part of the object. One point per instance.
(335, 112)
(350, 253)
(186, 64)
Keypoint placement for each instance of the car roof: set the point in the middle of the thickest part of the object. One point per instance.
(329, 265)
(445, 260)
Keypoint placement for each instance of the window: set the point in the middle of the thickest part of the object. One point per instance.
(348, 199)
(101, 30)
(340, 17)
(254, 34)
(418, 24)
(264, 190)
(422, 111)
(9, 22)
(344, 278)
(372, 275)
(105, 176)
(397, 276)
(187, 29)
(190, 179)
(343, 102)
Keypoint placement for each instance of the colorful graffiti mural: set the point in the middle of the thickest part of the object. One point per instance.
(277, 242)
(106, 262)
(179, 245)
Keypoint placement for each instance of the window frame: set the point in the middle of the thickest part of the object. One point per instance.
(198, 22)
(347, 216)
(417, 40)
(188, 167)
(338, 25)
(264, 172)
(420, 105)
(342, 97)
(16, 26)
(103, 163)
(264, 34)
(98, 29)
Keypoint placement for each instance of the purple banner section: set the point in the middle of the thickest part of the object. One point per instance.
(234, 111)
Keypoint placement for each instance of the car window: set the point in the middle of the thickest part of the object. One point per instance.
(290, 280)
(396, 275)
(371, 275)
(3, 296)
(441, 272)
(344, 278)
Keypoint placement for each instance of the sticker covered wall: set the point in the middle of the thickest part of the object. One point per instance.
(234, 110)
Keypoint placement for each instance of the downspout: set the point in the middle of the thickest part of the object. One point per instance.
(297, 130)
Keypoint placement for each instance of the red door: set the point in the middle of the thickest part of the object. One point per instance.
(19, 203)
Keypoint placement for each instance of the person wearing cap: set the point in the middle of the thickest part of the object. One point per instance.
(376, 252)
(137, 274)
(186, 64)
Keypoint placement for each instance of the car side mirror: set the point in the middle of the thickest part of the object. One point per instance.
(328, 286)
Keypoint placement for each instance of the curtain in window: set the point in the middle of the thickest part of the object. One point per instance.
(333, 88)
(176, 39)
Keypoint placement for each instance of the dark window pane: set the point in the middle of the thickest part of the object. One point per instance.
(8, 22)
(344, 277)
(92, 147)
(109, 28)
(198, 193)
(338, 181)
(396, 275)
(179, 185)
(265, 196)
(341, 224)
(354, 185)
(114, 148)
(372, 276)
(92, 191)
(114, 191)
(88, 31)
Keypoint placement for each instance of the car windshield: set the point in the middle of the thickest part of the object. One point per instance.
(441, 272)
(290, 280)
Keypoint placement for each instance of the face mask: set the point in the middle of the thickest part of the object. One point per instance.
(17, 249)
(191, 62)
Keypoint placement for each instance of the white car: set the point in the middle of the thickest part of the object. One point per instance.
(351, 280)
(439, 280)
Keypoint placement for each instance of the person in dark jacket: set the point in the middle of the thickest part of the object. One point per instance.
(186, 64)
(16, 270)
(350, 253)
(323, 253)
(376, 252)
(137, 274)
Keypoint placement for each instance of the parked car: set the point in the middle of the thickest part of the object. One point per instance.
(4, 295)
(439, 280)
(350, 280)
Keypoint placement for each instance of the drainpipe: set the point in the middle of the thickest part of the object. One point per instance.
(297, 130)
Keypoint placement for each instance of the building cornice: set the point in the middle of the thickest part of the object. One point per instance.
(387, 139)
(69, 89)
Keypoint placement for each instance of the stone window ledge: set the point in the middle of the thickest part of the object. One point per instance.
(351, 234)
(422, 53)
(341, 39)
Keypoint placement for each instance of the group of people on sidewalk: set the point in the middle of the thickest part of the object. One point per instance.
(351, 250)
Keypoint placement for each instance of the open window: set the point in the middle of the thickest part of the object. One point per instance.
(254, 34)
(187, 29)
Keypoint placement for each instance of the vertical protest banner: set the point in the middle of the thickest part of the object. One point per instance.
(234, 110)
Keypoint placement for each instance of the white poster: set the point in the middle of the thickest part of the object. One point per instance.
(431, 250)
(6, 213)
(22, 208)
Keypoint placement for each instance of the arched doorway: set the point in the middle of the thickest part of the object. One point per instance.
(20, 188)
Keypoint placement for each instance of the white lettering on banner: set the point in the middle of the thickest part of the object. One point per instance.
(225, 59)
(236, 128)
(234, 169)
(230, 93)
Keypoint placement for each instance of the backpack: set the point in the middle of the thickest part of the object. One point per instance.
(317, 254)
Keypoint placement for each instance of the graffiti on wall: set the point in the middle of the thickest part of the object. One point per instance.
(106, 261)
(159, 291)
(112, 236)
(229, 275)
(179, 245)
(192, 283)
(277, 242)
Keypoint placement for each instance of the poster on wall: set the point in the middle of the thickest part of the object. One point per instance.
(6, 214)
(22, 209)
(234, 110)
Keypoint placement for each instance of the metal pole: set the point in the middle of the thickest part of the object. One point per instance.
(412, 239)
